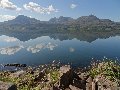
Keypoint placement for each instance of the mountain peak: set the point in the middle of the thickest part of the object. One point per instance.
(88, 18)
(21, 19)
(61, 19)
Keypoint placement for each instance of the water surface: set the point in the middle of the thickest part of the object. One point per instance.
(44, 49)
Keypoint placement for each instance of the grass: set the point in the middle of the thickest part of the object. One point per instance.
(27, 81)
(109, 68)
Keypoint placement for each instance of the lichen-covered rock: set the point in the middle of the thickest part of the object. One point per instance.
(7, 86)
(64, 69)
(18, 73)
(89, 83)
(104, 83)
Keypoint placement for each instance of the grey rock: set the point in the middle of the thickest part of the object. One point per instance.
(18, 73)
(7, 86)
(64, 69)
(74, 88)
(89, 83)
(67, 79)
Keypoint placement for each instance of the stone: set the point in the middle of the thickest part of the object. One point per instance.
(39, 77)
(7, 86)
(89, 83)
(74, 88)
(105, 83)
(18, 73)
(67, 79)
(16, 65)
(84, 76)
(64, 69)
(81, 84)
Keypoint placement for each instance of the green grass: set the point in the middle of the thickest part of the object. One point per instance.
(26, 81)
(109, 69)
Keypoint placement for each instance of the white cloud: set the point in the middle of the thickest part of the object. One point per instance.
(73, 6)
(7, 17)
(39, 9)
(10, 50)
(39, 47)
(8, 5)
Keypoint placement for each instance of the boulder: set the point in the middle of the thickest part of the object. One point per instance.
(67, 79)
(39, 77)
(74, 88)
(18, 73)
(64, 69)
(89, 83)
(84, 76)
(7, 86)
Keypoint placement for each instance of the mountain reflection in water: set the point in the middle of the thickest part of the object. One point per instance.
(76, 49)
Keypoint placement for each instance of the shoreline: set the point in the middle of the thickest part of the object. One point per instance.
(62, 77)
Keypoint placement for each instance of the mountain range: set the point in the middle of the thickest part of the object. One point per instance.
(90, 27)
(21, 19)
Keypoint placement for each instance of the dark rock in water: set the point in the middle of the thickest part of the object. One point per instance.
(7, 86)
(67, 79)
(16, 65)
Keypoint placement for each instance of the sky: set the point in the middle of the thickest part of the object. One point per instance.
(45, 9)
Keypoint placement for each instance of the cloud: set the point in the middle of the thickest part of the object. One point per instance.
(73, 6)
(8, 5)
(10, 50)
(7, 17)
(39, 47)
(39, 9)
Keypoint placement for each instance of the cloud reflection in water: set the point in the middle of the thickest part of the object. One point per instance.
(10, 50)
(71, 49)
(38, 47)
(8, 39)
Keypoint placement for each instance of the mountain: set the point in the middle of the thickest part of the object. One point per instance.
(61, 20)
(22, 24)
(83, 20)
(21, 19)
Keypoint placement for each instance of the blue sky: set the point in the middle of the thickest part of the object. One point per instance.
(46, 9)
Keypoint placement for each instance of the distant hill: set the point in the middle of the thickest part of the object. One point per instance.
(55, 25)
(21, 19)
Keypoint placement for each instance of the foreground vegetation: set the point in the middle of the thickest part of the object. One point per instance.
(47, 76)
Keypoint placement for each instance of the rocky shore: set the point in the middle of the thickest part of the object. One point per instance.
(103, 75)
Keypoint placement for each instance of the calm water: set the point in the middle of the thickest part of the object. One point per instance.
(44, 49)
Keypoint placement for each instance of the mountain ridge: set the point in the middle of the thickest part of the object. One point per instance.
(60, 19)
(24, 24)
